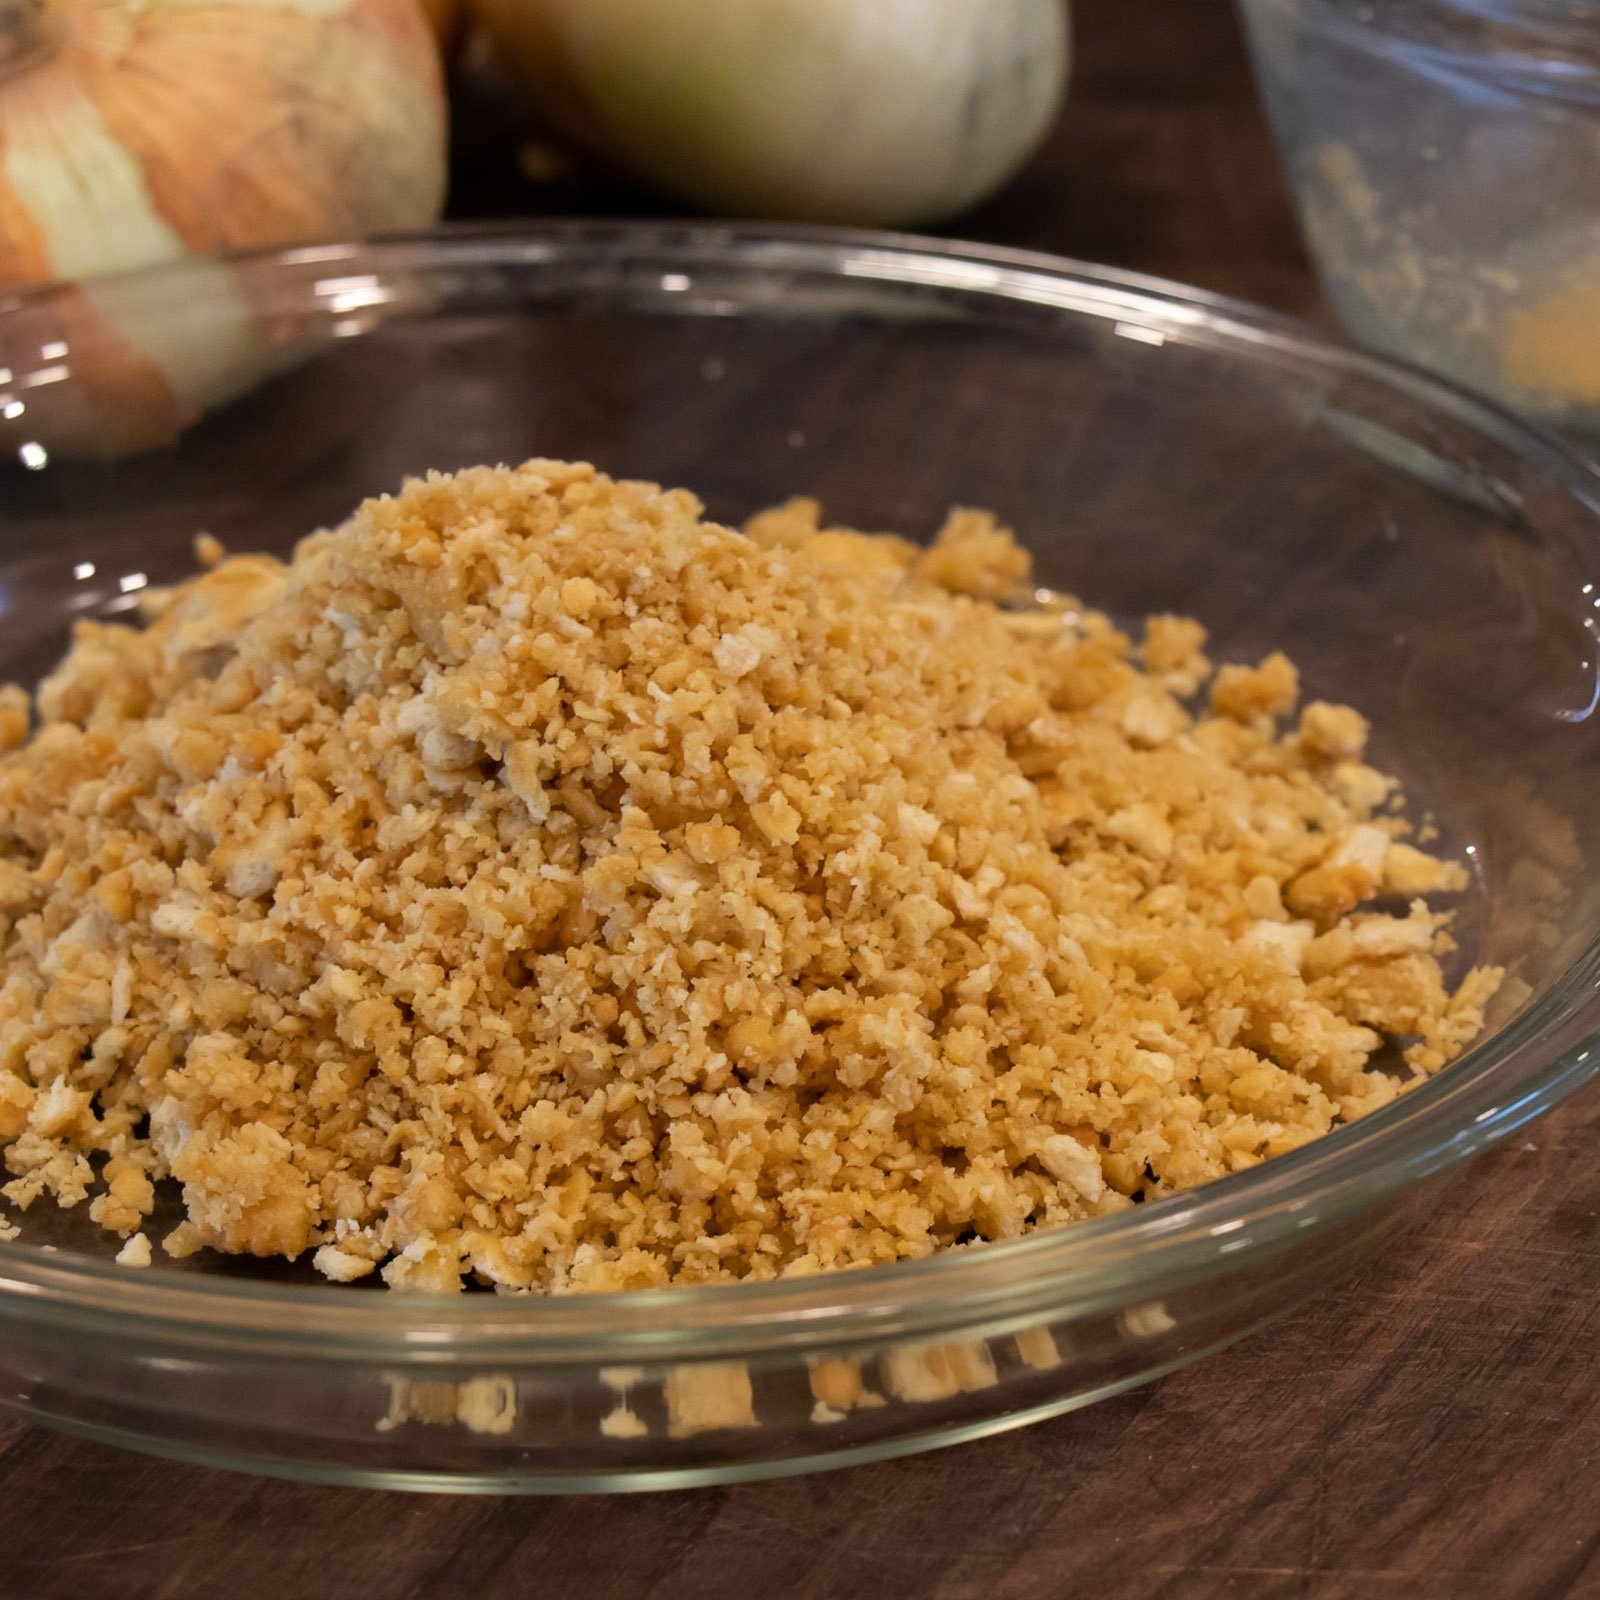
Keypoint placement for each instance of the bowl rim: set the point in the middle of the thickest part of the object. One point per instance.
(1545, 46)
(1519, 1072)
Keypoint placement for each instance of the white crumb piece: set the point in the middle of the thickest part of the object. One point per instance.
(1378, 937)
(1365, 847)
(1148, 720)
(1286, 939)
(341, 1265)
(1144, 828)
(1357, 784)
(135, 1253)
(1074, 1164)
(917, 823)
(1409, 871)
(738, 653)
(58, 1109)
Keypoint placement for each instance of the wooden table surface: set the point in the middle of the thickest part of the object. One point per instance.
(1431, 1429)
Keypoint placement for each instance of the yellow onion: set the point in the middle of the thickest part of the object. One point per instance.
(140, 131)
(887, 112)
(448, 19)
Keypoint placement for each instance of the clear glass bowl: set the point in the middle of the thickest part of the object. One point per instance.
(1445, 158)
(1422, 555)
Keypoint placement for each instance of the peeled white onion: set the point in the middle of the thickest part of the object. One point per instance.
(877, 112)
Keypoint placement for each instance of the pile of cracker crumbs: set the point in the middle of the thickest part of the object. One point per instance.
(534, 883)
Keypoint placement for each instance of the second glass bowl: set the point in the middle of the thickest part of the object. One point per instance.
(1445, 158)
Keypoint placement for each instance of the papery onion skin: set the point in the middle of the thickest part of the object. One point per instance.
(140, 131)
(872, 112)
(137, 132)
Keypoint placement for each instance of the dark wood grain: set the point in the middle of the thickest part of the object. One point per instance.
(1430, 1430)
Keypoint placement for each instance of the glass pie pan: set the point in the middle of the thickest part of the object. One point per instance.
(1420, 554)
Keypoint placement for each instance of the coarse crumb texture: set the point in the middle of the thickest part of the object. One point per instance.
(534, 883)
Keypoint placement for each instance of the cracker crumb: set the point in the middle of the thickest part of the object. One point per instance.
(535, 884)
(480, 1405)
(1409, 871)
(1037, 1348)
(1269, 690)
(1330, 730)
(938, 1371)
(973, 555)
(1148, 1321)
(837, 1387)
(488, 1405)
(135, 1252)
(16, 714)
(624, 1424)
(707, 1396)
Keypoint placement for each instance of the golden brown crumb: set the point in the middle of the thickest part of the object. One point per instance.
(1174, 657)
(1333, 730)
(972, 554)
(15, 711)
(1268, 690)
(836, 1385)
(534, 883)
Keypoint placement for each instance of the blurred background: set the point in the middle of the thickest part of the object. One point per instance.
(1437, 162)
(1158, 158)
(1443, 156)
